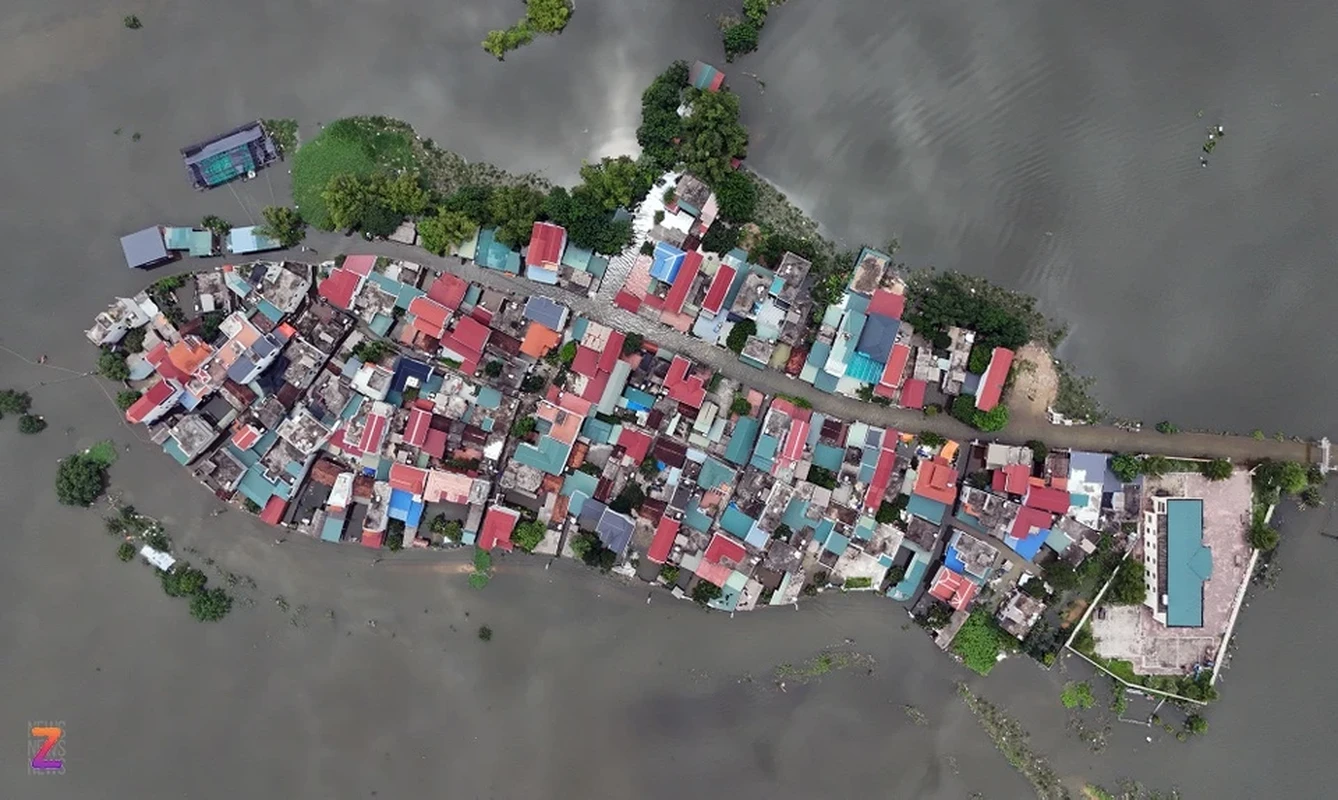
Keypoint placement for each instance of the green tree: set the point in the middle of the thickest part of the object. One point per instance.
(528, 535)
(210, 605)
(887, 513)
(979, 359)
(15, 402)
(979, 642)
(1287, 477)
(283, 224)
(133, 341)
(964, 408)
(348, 199)
(449, 529)
(720, 237)
(445, 230)
(493, 368)
(404, 194)
(547, 16)
(1196, 724)
(474, 202)
(125, 551)
(587, 222)
(712, 135)
(523, 426)
(80, 480)
(1077, 695)
(617, 182)
(756, 11)
(283, 132)
(740, 37)
(485, 633)
(1061, 575)
(1311, 496)
(649, 467)
(993, 420)
(31, 423)
(111, 364)
(216, 225)
(1038, 450)
(515, 209)
(738, 335)
(567, 353)
(631, 498)
(705, 591)
(379, 221)
(482, 560)
(1167, 427)
(736, 195)
(1128, 588)
(1126, 467)
(372, 350)
(1262, 537)
(632, 343)
(741, 405)
(1219, 469)
(931, 439)
(661, 126)
(669, 574)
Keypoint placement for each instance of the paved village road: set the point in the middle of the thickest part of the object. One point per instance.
(1081, 437)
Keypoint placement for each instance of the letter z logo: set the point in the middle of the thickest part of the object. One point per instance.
(52, 736)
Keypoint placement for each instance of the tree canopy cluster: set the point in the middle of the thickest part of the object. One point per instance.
(945, 300)
(80, 480)
(284, 225)
(712, 135)
(979, 642)
(374, 204)
(1128, 588)
(661, 126)
(541, 16)
(738, 335)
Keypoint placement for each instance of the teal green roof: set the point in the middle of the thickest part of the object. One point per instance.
(489, 397)
(550, 456)
(742, 442)
(332, 528)
(177, 238)
(824, 530)
(174, 450)
(272, 312)
(596, 430)
(1189, 564)
(828, 457)
(381, 323)
(201, 243)
(794, 514)
(598, 266)
(736, 522)
(765, 452)
(915, 573)
(1058, 540)
(715, 473)
(576, 257)
(925, 508)
(697, 520)
(579, 487)
(837, 543)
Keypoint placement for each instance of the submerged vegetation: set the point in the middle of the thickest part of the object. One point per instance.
(541, 16)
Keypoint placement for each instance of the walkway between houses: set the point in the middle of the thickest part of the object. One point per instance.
(1079, 437)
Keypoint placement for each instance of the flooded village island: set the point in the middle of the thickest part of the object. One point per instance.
(650, 375)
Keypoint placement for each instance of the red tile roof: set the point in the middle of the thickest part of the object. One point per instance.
(594, 387)
(157, 395)
(913, 393)
(627, 301)
(953, 588)
(896, 366)
(429, 316)
(415, 433)
(245, 437)
(273, 512)
(882, 473)
(613, 350)
(448, 290)
(373, 539)
(408, 479)
(373, 433)
(791, 410)
(887, 303)
(498, 524)
(793, 449)
(991, 383)
(1047, 498)
(435, 444)
(586, 361)
(715, 296)
(1030, 520)
(158, 357)
(636, 443)
(359, 265)
(663, 541)
(546, 243)
(937, 480)
(722, 555)
(687, 273)
(1016, 479)
(681, 388)
(340, 287)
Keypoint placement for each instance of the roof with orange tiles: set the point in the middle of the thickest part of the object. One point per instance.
(546, 243)
(882, 472)
(991, 383)
(157, 356)
(273, 512)
(896, 366)
(498, 524)
(429, 316)
(409, 479)
(937, 481)
(448, 290)
(953, 588)
(663, 541)
(157, 395)
(715, 296)
(539, 339)
(913, 393)
(635, 443)
(245, 437)
(447, 487)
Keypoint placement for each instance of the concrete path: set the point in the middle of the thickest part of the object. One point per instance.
(1081, 437)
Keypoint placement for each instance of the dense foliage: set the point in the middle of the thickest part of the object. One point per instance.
(720, 238)
(617, 182)
(740, 37)
(712, 135)
(736, 195)
(445, 230)
(1128, 588)
(999, 318)
(979, 642)
(80, 480)
(357, 147)
(283, 224)
(660, 123)
(738, 335)
(528, 535)
(589, 224)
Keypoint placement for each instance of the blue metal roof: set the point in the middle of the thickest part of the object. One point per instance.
(1189, 564)
(666, 262)
(615, 530)
(546, 311)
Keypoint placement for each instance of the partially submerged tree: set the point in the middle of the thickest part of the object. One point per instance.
(80, 480)
(284, 225)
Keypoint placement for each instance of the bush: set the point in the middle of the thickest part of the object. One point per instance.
(14, 402)
(705, 591)
(1262, 537)
(1125, 467)
(720, 238)
(739, 334)
(482, 560)
(523, 427)
(132, 22)
(931, 439)
(740, 405)
(979, 642)
(395, 541)
(183, 580)
(451, 530)
(125, 551)
(964, 409)
(547, 16)
(1196, 724)
(1219, 469)
(493, 368)
(1077, 695)
(632, 343)
(756, 11)
(210, 605)
(1166, 427)
(478, 580)
(29, 423)
(1061, 575)
(979, 360)
(993, 420)
(862, 582)
(80, 480)
(740, 37)
(111, 364)
(528, 535)
(669, 573)
(737, 196)
(485, 633)
(283, 132)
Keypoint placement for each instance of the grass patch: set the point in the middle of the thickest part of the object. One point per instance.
(1077, 695)
(1014, 742)
(360, 146)
(823, 663)
(103, 453)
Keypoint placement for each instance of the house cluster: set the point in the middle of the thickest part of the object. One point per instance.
(159, 244)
